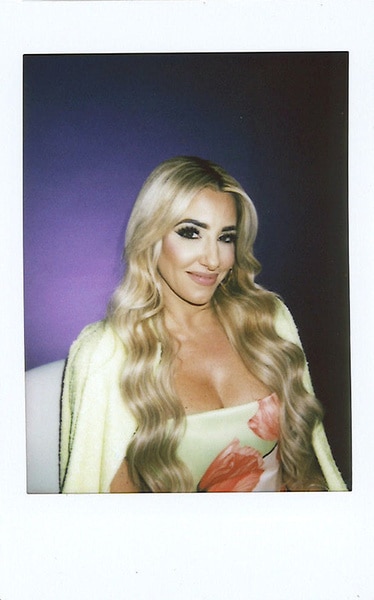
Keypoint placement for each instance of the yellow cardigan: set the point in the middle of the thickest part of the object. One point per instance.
(96, 425)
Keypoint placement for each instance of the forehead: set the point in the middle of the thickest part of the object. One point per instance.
(213, 207)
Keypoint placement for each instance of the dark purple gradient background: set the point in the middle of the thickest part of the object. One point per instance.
(96, 125)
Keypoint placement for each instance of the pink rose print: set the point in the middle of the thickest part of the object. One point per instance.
(235, 469)
(265, 423)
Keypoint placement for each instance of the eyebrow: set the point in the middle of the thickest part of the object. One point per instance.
(205, 225)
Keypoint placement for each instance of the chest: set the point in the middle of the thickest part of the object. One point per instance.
(209, 374)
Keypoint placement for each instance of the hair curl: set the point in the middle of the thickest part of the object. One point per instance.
(245, 310)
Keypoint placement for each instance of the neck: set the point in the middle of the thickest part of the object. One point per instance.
(183, 316)
(192, 318)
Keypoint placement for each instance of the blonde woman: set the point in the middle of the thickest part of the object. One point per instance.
(196, 380)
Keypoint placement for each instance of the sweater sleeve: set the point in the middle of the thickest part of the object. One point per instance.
(95, 424)
(335, 482)
(75, 375)
(286, 328)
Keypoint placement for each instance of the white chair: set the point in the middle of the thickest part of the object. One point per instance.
(43, 391)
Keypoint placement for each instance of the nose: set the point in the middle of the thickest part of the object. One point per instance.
(210, 255)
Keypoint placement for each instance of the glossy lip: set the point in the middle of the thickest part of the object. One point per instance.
(203, 278)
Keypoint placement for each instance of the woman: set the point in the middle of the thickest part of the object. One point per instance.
(196, 380)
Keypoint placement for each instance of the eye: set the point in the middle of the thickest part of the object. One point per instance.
(228, 238)
(189, 232)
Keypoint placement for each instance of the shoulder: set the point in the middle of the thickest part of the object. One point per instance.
(286, 328)
(96, 346)
(284, 323)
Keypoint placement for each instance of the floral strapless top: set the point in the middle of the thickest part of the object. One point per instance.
(234, 449)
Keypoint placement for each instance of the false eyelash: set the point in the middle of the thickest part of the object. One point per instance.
(228, 238)
(188, 232)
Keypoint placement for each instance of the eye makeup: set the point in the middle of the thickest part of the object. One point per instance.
(191, 230)
(228, 238)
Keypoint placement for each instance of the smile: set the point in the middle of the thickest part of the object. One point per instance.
(203, 278)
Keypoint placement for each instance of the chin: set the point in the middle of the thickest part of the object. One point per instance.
(199, 301)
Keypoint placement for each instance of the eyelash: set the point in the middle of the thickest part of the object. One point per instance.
(192, 233)
(228, 238)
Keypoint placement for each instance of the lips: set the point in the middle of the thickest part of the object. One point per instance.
(203, 278)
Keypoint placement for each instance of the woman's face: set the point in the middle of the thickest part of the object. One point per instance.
(198, 252)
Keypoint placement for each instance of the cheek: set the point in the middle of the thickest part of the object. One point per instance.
(173, 253)
(228, 256)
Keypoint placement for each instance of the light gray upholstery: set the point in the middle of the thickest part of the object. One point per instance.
(43, 391)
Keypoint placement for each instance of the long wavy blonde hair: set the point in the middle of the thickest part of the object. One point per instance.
(245, 310)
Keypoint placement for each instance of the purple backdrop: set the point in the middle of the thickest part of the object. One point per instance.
(96, 125)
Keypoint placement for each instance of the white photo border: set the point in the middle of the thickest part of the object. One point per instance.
(202, 546)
